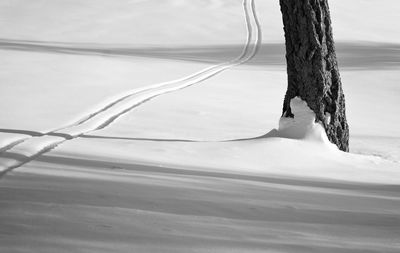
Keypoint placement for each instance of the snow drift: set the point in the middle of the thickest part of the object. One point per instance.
(303, 125)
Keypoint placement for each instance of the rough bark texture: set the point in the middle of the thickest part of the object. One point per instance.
(312, 68)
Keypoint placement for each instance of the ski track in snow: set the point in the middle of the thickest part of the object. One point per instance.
(24, 150)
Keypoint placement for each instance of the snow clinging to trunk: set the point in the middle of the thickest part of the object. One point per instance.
(302, 125)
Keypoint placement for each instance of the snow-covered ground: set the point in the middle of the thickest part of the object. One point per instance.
(153, 126)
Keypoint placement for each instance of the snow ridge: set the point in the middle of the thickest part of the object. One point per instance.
(16, 154)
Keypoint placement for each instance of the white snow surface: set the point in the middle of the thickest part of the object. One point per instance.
(153, 22)
(140, 125)
(302, 126)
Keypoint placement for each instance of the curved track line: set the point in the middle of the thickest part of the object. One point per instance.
(12, 144)
(187, 78)
(154, 86)
(126, 103)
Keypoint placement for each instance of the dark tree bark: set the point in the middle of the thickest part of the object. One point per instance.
(312, 68)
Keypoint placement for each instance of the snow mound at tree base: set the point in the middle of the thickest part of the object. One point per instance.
(303, 125)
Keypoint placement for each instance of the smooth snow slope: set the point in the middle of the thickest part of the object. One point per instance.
(86, 204)
(17, 153)
(138, 22)
(139, 168)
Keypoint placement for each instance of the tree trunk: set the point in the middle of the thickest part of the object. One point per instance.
(312, 69)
